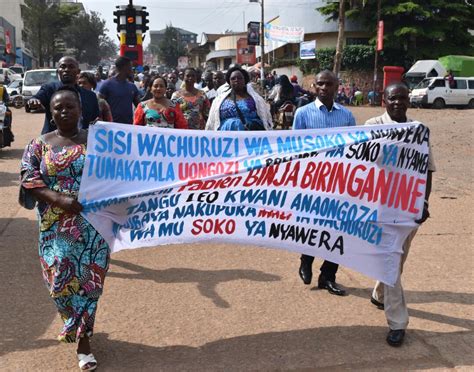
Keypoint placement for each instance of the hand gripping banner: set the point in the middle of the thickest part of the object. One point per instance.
(349, 195)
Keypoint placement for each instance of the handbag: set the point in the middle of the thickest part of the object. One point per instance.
(255, 124)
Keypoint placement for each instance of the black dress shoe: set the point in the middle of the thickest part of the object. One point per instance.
(306, 272)
(395, 337)
(378, 304)
(331, 286)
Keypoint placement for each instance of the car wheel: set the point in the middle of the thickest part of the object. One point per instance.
(471, 104)
(18, 102)
(439, 103)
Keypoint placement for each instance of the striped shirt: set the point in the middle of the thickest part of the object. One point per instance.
(316, 115)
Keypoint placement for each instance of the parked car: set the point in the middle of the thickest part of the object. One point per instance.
(15, 87)
(18, 69)
(12, 75)
(33, 81)
(436, 93)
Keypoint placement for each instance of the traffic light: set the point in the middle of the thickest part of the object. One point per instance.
(117, 15)
(130, 20)
(145, 20)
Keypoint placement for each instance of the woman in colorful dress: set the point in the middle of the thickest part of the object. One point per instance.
(159, 111)
(193, 102)
(239, 108)
(73, 256)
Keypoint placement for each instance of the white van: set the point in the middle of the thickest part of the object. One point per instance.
(436, 93)
(34, 79)
(423, 69)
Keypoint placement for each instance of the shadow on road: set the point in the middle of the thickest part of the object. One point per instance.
(206, 280)
(8, 179)
(353, 347)
(26, 310)
(417, 297)
(9, 154)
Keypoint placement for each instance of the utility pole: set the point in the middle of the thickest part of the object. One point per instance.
(262, 48)
(376, 62)
(340, 37)
(262, 41)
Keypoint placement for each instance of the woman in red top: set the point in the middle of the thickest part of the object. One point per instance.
(159, 111)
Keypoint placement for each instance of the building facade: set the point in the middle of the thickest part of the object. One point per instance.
(222, 49)
(11, 10)
(185, 37)
(7, 43)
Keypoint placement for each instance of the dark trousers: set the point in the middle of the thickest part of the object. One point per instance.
(328, 269)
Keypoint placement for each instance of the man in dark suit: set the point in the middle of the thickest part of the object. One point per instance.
(68, 71)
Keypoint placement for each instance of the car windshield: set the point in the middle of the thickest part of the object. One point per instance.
(17, 70)
(423, 84)
(40, 77)
(15, 84)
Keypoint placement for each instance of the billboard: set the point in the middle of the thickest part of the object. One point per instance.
(245, 52)
(284, 34)
(308, 49)
(253, 33)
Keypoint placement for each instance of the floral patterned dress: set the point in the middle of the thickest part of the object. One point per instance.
(74, 257)
(171, 117)
(195, 108)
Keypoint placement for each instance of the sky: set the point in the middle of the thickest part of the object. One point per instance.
(198, 16)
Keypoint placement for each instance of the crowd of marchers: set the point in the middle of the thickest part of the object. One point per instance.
(74, 257)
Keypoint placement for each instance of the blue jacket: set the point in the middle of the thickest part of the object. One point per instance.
(89, 102)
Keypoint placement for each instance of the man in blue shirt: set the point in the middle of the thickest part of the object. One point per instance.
(120, 93)
(68, 71)
(323, 113)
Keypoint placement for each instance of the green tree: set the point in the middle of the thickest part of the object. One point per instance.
(337, 12)
(417, 29)
(107, 47)
(171, 48)
(86, 37)
(44, 22)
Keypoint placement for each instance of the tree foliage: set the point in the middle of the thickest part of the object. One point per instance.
(355, 57)
(170, 47)
(417, 29)
(86, 37)
(44, 22)
(107, 47)
(51, 29)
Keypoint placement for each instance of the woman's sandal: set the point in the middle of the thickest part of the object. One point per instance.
(87, 362)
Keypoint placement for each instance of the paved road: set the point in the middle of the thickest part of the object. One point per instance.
(218, 307)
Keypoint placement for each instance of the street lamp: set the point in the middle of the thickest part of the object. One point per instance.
(262, 42)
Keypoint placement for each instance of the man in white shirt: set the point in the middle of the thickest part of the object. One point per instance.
(392, 299)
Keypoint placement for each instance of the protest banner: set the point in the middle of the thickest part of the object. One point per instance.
(350, 195)
(284, 33)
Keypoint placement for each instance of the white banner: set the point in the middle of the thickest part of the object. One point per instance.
(284, 33)
(349, 195)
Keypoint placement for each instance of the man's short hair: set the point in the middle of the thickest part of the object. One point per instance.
(121, 62)
(398, 84)
(69, 58)
(330, 73)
